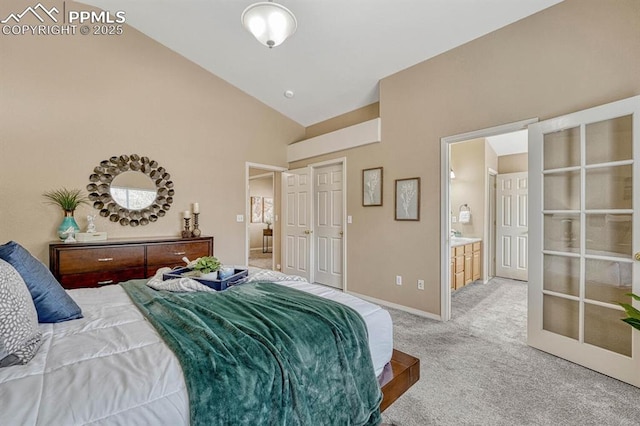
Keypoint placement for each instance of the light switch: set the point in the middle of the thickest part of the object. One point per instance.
(349, 219)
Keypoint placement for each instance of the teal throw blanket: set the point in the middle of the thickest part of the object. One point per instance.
(265, 354)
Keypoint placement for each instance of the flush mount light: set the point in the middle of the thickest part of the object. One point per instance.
(269, 22)
(288, 94)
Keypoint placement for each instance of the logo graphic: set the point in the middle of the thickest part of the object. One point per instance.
(34, 11)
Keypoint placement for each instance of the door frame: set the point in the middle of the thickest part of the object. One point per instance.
(312, 173)
(445, 199)
(489, 270)
(247, 207)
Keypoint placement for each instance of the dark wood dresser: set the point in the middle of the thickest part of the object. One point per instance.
(112, 261)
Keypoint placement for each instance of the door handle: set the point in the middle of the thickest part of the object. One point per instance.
(637, 256)
(341, 233)
(307, 231)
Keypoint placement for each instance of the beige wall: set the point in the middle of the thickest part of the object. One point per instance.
(467, 161)
(513, 163)
(68, 102)
(359, 115)
(577, 54)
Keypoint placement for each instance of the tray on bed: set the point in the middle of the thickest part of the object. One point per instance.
(239, 276)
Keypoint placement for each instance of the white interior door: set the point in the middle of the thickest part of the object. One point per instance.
(512, 227)
(328, 211)
(583, 171)
(297, 226)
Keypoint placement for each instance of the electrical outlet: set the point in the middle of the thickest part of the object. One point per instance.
(420, 284)
(278, 267)
(239, 218)
(398, 279)
(454, 219)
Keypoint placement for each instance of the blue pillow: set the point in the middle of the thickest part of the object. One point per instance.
(52, 303)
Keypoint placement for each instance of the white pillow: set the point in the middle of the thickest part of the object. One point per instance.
(20, 336)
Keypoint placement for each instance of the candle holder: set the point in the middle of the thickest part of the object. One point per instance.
(186, 233)
(196, 230)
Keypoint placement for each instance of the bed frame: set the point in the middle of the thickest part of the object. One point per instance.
(398, 376)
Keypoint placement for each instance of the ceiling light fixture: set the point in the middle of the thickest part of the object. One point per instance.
(269, 22)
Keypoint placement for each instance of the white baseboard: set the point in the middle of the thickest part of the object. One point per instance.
(398, 307)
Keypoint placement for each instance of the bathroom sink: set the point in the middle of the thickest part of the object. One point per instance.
(460, 241)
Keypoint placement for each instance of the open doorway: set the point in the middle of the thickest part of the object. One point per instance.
(475, 208)
(262, 215)
(260, 221)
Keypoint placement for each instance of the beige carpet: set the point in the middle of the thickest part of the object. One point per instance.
(478, 370)
(260, 260)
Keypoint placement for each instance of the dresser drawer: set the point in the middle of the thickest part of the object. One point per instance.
(171, 254)
(98, 279)
(100, 259)
(113, 261)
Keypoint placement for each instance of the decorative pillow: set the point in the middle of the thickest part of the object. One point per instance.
(20, 336)
(52, 303)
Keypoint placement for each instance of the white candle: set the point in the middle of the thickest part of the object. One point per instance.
(187, 214)
(196, 208)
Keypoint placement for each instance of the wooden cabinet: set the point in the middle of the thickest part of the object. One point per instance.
(465, 264)
(94, 264)
(477, 261)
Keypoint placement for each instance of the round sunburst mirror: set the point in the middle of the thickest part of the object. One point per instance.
(131, 190)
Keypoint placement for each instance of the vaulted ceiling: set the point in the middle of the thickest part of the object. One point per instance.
(340, 52)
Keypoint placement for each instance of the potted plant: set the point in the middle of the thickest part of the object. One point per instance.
(633, 314)
(68, 200)
(208, 267)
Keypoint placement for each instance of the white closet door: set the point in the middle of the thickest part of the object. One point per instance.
(513, 227)
(297, 226)
(584, 237)
(329, 220)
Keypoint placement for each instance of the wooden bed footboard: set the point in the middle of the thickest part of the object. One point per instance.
(398, 376)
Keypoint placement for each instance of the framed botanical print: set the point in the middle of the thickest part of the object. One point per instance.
(407, 198)
(256, 209)
(372, 187)
(267, 210)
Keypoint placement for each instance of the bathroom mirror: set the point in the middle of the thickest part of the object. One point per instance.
(131, 190)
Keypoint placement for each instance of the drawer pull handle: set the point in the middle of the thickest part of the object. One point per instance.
(105, 259)
(105, 282)
(180, 253)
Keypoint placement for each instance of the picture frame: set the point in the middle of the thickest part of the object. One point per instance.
(256, 210)
(267, 210)
(407, 199)
(372, 185)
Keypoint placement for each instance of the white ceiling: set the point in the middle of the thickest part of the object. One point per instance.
(340, 52)
(509, 143)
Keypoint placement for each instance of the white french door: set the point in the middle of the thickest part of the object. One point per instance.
(512, 227)
(328, 213)
(584, 237)
(297, 227)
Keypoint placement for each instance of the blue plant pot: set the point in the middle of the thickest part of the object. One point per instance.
(68, 222)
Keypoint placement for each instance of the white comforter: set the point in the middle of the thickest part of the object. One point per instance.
(111, 367)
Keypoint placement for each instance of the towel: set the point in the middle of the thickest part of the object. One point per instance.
(465, 216)
(177, 284)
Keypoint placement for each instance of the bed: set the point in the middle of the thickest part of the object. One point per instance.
(112, 366)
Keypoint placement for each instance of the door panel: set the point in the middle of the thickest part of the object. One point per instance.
(512, 227)
(297, 223)
(328, 225)
(584, 241)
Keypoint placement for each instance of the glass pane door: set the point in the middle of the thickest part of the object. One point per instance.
(584, 258)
